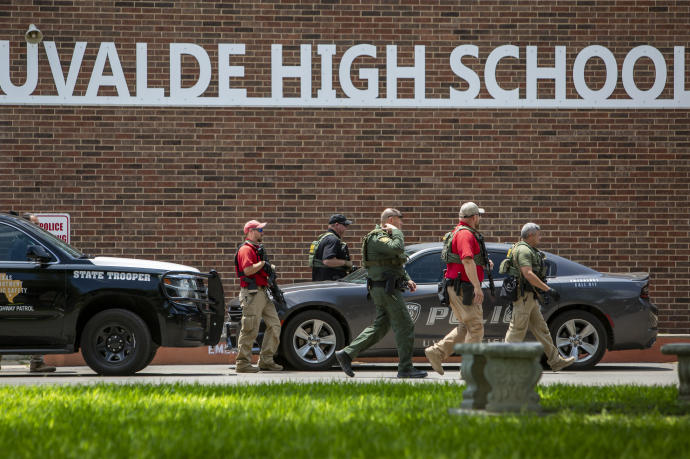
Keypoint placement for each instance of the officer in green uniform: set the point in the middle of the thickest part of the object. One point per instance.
(527, 265)
(383, 254)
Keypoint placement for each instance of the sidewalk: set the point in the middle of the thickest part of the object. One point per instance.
(645, 374)
(218, 354)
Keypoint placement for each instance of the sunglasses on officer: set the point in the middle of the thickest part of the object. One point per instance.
(260, 230)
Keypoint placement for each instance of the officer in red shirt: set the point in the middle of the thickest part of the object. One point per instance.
(465, 292)
(256, 304)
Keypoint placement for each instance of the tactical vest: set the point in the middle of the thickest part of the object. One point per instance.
(538, 265)
(448, 256)
(248, 279)
(510, 265)
(313, 262)
(395, 261)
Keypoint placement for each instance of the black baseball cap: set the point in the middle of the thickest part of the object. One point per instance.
(339, 218)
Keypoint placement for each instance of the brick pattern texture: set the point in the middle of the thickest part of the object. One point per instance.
(609, 187)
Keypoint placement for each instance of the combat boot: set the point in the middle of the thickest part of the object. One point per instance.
(270, 366)
(246, 368)
(434, 358)
(562, 363)
(345, 363)
(40, 367)
(412, 373)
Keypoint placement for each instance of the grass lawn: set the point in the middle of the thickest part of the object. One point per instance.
(304, 421)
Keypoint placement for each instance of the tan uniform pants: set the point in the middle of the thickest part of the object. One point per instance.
(257, 306)
(527, 316)
(469, 330)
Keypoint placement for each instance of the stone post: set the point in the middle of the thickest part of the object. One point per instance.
(472, 371)
(682, 350)
(513, 370)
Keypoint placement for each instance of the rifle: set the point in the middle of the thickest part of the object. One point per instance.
(491, 280)
(276, 292)
(485, 254)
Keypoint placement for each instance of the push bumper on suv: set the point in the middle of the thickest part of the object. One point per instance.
(196, 317)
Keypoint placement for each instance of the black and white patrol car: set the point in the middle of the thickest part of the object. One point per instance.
(117, 311)
(596, 312)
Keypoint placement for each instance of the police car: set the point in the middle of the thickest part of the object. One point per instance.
(596, 311)
(117, 311)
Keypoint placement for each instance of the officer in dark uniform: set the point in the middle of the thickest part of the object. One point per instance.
(383, 254)
(331, 257)
(36, 364)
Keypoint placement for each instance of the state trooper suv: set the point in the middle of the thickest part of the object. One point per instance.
(117, 311)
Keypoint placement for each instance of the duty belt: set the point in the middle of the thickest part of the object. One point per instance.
(390, 285)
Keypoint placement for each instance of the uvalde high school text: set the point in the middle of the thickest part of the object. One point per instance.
(356, 97)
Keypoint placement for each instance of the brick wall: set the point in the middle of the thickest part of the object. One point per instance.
(610, 187)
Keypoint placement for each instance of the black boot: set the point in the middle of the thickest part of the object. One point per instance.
(345, 362)
(412, 373)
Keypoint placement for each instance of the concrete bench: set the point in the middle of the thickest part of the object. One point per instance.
(500, 377)
(682, 350)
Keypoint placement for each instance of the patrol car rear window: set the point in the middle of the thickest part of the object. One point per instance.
(426, 269)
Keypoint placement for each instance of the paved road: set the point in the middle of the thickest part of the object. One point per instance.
(604, 374)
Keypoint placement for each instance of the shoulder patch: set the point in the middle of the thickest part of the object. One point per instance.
(385, 239)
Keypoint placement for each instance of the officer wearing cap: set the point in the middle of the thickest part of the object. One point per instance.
(465, 274)
(383, 254)
(256, 305)
(527, 265)
(329, 255)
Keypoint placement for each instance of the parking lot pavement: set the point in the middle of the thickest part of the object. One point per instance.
(645, 374)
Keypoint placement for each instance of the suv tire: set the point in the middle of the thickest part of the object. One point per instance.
(116, 342)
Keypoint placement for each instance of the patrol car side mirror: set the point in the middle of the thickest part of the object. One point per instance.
(38, 253)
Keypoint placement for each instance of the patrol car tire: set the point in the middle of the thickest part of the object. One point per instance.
(149, 359)
(299, 344)
(116, 342)
(583, 330)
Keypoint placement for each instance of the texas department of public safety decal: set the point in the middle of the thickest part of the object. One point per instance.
(10, 287)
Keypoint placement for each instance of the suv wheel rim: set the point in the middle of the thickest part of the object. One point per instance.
(577, 338)
(115, 343)
(314, 341)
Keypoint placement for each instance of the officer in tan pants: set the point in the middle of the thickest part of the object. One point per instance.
(465, 269)
(527, 265)
(256, 305)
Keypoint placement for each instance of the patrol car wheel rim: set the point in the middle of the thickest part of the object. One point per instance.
(115, 343)
(577, 338)
(314, 341)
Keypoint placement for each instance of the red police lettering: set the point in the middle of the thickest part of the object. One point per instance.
(53, 226)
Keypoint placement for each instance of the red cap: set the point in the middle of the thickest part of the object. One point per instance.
(251, 224)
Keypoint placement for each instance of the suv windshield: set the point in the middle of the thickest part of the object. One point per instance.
(60, 243)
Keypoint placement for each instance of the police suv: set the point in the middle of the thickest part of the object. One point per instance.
(117, 311)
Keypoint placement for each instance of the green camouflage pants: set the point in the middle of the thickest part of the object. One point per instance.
(391, 311)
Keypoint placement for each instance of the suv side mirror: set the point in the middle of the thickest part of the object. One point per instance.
(38, 253)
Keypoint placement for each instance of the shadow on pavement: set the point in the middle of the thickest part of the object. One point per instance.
(610, 367)
(58, 374)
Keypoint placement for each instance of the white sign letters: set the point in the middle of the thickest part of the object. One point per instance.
(107, 71)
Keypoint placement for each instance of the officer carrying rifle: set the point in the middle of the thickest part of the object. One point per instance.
(256, 275)
(525, 262)
(383, 254)
(466, 257)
